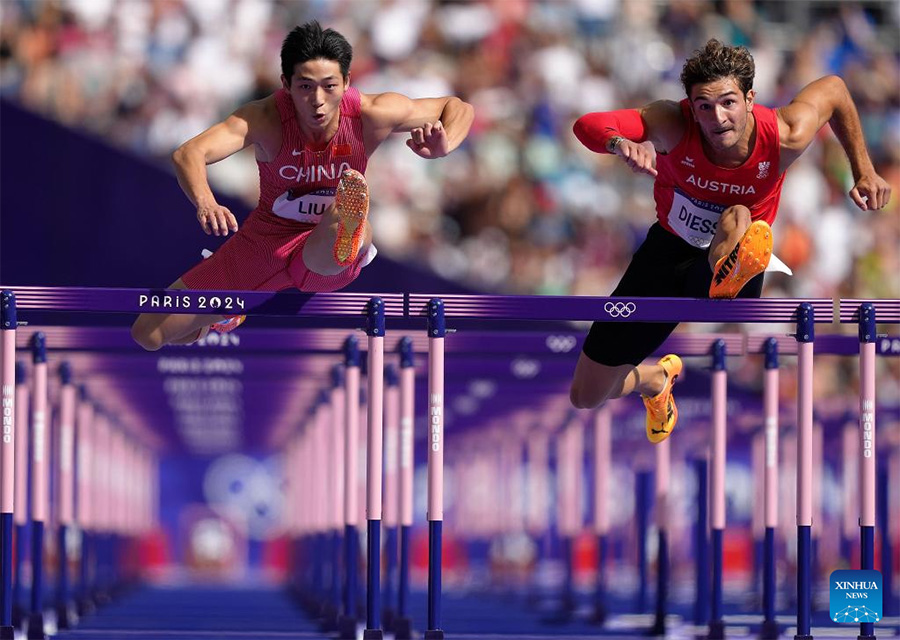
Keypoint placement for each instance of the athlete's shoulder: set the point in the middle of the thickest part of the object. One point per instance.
(665, 121)
(385, 110)
(260, 112)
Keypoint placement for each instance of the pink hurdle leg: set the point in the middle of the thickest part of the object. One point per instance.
(40, 477)
(769, 629)
(717, 486)
(867, 476)
(805, 338)
(602, 463)
(8, 326)
(403, 624)
(375, 450)
(66, 499)
(347, 622)
(435, 516)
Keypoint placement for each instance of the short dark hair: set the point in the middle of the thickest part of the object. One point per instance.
(311, 42)
(716, 61)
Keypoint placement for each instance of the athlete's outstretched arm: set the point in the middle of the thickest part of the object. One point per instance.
(216, 143)
(623, 133)
(436, 126)
(827, 100)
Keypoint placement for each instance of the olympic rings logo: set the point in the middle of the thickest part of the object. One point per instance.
(619, 309)
(557, 344)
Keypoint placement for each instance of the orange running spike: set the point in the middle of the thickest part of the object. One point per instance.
(351, 205)
(749, 258)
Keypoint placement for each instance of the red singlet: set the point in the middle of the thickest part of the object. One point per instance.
(295, 189)
(691, 192)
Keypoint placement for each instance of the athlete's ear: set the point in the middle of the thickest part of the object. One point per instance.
(751, 94)
(347, 80)
(285, 82)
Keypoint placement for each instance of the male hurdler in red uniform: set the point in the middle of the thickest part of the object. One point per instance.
(312, 139)
(719, 161)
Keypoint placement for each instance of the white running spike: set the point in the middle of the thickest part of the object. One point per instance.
(776, 265)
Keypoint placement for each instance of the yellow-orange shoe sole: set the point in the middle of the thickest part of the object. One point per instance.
(749, 258)
(657, 432)
(351, 204)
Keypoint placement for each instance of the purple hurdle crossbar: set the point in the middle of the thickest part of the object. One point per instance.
(474, 307)
(8, 326)
(39, 485)
(436, 332)
(402, 623)
(717, 484)
(347, 621)
(374, 452)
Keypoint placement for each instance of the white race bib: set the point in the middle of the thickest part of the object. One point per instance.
(307, 208)
(694, 220)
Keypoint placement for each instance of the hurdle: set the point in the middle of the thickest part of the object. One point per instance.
(40, 478)
(402, 622)
(84, 503)
(336, 444)
(66, 497)
(865, 314)
(474, 311)
(11, 379)
(391, 490)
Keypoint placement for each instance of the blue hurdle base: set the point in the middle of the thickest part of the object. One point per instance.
(867, 561)
(716, 624)
(403, 628)
(769, 629)
(435, 529)
(662, 585)
(598, 615)
(804, 585)
(36, 617)
(390, 548)
(373, 585)
(402, 624)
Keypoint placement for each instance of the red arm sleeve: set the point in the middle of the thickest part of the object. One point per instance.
(594, 130)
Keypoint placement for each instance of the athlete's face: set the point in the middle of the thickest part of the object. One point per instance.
(722, 111)
(316, 88)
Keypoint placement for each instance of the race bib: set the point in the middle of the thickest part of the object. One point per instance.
(694, 220)
(307, 208)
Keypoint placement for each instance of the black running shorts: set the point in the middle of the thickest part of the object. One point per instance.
(664, 266)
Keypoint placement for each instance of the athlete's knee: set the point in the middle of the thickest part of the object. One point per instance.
(585, 396)
(736, 216)
(149, 339)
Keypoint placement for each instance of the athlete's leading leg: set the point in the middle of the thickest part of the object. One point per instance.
(155, 330)
(318, 252)
(739, 251)
(732, 225)
(595, 383)
(344, 231)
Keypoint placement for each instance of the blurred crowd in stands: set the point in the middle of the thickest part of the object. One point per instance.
(522, 207)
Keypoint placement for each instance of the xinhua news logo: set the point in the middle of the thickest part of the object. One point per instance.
(855, 596)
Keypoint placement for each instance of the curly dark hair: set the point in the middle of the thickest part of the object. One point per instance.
(716, 61)
(311, 42)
